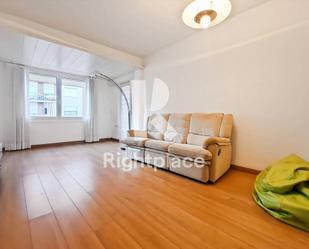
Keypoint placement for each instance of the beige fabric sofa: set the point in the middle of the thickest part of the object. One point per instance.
(196, 145)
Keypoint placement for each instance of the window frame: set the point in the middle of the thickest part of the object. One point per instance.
(59, 76)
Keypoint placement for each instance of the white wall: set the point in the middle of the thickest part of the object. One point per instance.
(6, 97)
(125, 78)
(55, 131)
(64, 130)
(138, 97)
(255, 66)
(108, 108)
(1, 110)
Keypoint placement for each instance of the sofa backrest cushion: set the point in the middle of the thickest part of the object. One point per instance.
(204, 125)
(226, 126)
(156, 126)
(177, 128)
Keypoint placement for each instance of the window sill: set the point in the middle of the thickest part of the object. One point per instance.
(55, 119)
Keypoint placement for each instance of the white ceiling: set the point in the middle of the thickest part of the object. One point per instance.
(139, 27)
(18, 48)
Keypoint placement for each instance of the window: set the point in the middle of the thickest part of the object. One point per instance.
(55, 96)
(72, 98)
(42, 96)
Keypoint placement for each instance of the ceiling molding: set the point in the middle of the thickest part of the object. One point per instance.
(43, 32)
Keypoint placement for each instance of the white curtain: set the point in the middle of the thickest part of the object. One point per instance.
(91, 124)
(14, 115)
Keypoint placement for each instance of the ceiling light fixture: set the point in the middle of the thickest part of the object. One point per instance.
(202, 14)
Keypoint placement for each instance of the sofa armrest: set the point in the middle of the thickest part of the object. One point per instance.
(137, 133)
(216, 140)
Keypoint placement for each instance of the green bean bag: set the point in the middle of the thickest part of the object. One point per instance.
(282, 189)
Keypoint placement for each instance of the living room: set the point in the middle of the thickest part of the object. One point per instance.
(154, 124)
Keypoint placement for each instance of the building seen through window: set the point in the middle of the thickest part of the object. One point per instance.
(42, 96)
(52, 97)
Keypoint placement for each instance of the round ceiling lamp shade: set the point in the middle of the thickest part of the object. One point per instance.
(202, 14)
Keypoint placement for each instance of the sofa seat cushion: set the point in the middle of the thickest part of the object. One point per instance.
(192, 151)
(158, 144)
(134, 141)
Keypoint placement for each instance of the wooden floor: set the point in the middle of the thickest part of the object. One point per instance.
(64, 197)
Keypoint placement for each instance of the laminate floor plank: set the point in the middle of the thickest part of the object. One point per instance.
(147, 237)
(46, 233)
(14, 226)
(104, 190)
(69, 197)
(36, 200)
(76, 231)
(263, 241)
(107, 230)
